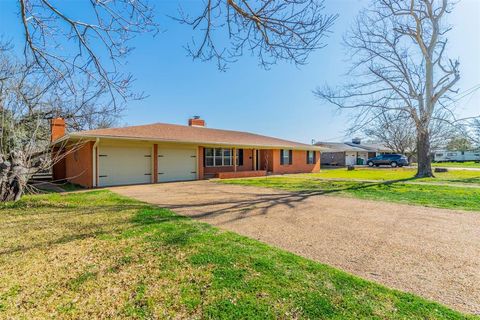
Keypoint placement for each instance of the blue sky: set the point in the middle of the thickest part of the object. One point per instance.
(277, 102)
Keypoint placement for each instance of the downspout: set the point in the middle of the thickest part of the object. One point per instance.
(94, 164)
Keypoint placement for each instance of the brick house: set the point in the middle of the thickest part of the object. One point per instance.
(166, 152)
(350, 153)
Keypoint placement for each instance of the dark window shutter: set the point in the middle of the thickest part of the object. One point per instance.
(281, 157)
(314, 157)
(204, 158)
(290, 156)
(240, 157)
(308, 153)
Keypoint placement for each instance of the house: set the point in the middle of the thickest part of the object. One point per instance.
(350, 153)
(167, 152)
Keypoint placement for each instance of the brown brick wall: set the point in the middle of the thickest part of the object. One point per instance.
(59, 167)
(57, 128)
(200, 168)
(242, 174)
(79, 165)
(299, 163)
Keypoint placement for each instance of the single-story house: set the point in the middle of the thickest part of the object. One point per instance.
(350, 153)
(167, 152)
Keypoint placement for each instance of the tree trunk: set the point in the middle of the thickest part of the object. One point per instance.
(13, 178)
(423, 155)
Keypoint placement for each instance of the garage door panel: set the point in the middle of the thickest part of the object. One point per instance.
(177, 164)
(124, 165)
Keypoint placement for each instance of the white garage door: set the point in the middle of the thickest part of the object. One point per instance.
(177, 164)
(350, 158)
(124, 165)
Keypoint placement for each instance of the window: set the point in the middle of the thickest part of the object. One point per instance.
(209, 157)
(219, 157)
(285, 157)
(310, 157)
(239, 157)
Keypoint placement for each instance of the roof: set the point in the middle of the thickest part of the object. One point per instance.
(189, 134)
(379, 147)
(338, 147)
(354, 147)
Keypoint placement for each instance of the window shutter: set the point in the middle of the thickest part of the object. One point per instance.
(240, 157)
(314, 157)
(204, 158)
(290, 156)
(308, 153)
(281, 157)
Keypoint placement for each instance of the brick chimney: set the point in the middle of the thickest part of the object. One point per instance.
(196, 122)
(57, 128)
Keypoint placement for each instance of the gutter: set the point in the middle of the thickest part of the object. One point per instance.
(202, 143)
(94, 163)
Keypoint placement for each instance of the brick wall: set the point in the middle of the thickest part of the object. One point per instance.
(247, 164)
(299, 163)
(79, 165)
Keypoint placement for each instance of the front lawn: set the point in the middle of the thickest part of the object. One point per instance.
(453, 176)
(100, 255)
(468, 164)
(439, 196)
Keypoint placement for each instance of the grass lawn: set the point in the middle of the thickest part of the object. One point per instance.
(426, 195)
(469, 164)
(453, 176)
(99, 255)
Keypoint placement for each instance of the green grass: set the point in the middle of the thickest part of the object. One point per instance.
(96, 254)
(453, 176)
(469, 164)
(438, 196)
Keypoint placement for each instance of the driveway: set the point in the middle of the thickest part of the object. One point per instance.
(434, 253)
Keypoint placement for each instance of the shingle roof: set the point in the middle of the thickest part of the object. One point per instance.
(187, 134)
(338, 147)
(379, 147)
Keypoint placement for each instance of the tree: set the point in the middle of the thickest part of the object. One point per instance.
(394, 130)
(71, 63)
(270, 29)
(475, 133)
(27, 101)
(400, 65)
(92, 46)
(459, 143)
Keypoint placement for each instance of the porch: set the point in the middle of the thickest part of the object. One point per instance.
(227, 163)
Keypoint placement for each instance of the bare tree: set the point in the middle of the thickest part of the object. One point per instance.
(270, 29)
(395, 130)
(68, 47)
(28, 100)
(474, 133)
(459, 143)
(71, 66)
(400, 64)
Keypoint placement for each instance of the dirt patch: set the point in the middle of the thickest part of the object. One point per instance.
(431, 252)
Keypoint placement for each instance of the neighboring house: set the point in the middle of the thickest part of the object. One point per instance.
(167, 152)
(350, 153)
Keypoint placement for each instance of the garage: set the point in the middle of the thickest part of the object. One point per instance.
(177, 164)
(124, 165)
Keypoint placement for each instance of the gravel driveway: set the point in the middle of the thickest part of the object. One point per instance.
(434, 253)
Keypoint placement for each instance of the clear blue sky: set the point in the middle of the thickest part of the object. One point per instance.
(277, 102)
